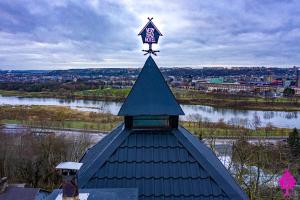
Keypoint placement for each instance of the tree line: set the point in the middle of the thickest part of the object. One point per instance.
(31, 158)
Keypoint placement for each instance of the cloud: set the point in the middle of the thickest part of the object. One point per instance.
(58, 34)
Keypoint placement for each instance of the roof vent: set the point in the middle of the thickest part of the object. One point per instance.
(69, 183)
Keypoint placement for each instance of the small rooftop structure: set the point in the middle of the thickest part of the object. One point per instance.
(70, 190)
(69, 165)
(69, 183)
(162, 159)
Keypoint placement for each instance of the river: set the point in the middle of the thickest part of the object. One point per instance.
(192, 112)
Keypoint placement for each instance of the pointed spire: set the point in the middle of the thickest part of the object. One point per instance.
(150, 95)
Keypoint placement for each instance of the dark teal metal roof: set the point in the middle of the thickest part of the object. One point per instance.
(104, 194)
(150, 94)
(162, 164)
(14, 193)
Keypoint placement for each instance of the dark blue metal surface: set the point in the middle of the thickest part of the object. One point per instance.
(209, 161)
(19, 193)
(104, 194)
(161, 166)
(150, 94)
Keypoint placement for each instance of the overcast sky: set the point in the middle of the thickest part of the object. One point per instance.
(63, 34)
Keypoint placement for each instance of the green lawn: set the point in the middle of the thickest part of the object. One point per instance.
(105, 127)
(209, 131)
(106, 92)
(213, 129)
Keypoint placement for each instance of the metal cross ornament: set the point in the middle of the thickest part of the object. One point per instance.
(150, 35)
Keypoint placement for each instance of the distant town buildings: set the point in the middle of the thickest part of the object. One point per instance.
(247, 81)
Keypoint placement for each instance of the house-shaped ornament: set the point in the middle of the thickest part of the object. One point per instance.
(150, 35)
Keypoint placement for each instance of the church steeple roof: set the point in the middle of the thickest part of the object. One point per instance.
(150, 94)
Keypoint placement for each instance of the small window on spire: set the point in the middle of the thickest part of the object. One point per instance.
(150, 122)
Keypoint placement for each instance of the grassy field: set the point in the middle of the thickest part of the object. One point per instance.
(104, 94)
(64, 117)
(70, 124)
(237, 102)
(57, 117)
(26, 94)
(223, 130)
(183, 96)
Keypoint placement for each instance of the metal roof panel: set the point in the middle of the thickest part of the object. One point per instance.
(150, 95)
(104, 194)
(169, 170)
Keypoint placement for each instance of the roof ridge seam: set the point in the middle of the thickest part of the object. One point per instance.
(152, 147)
(219, 173)
(143, 161)
(182, 195)
(105, 150)
(154, 177)
(167, 178)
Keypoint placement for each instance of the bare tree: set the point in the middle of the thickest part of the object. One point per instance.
(77, 146)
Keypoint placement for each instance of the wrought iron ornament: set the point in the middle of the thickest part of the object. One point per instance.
(150, 35)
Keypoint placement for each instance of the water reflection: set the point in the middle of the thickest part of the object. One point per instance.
(291, 115)
(194, 112)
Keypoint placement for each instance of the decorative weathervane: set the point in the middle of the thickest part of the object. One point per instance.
(150, 35)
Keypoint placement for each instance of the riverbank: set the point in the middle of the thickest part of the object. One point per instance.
(64, 117)
(57, 117)
(188, 97)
